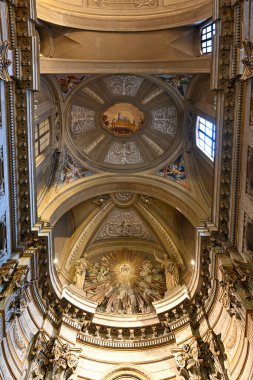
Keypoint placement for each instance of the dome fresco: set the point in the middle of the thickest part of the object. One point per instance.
(122, 119)
(123, 122)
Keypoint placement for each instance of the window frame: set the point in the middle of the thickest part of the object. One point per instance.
(47, 132)
(203, 152)
(207, 23)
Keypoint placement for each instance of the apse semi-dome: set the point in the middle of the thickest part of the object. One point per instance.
(124, 122)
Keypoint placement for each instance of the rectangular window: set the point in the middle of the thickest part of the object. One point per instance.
(205, 136)
(41, 136)
(207, 33)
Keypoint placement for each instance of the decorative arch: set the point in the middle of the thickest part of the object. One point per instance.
(86, 188)
(127, 373)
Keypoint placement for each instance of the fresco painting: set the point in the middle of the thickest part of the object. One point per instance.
(123, 119)
(175, 171)
(69, 82)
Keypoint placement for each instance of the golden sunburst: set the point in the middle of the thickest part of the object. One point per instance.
(124, 282)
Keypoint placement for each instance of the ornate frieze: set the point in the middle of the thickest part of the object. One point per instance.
(123, 85)
(136, 341)
(123, 154)
(82, 120)
(164, 120)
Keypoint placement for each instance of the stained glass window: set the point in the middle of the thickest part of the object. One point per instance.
(207, 33)
(205, 136)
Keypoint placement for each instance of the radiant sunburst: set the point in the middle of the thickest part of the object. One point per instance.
(124, 282)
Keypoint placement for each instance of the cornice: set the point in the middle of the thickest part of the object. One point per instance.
(117, 344)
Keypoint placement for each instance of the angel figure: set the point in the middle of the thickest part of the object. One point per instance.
(80, 272)
(171, 271)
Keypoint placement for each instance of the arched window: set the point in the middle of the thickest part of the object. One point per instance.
(205, 136)
(207, 33)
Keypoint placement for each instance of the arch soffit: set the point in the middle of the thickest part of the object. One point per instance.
(87, 188)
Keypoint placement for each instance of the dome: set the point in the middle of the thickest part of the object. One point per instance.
(124, 122)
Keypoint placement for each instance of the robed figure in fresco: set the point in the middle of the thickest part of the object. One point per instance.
(80, 272)
(170, 269)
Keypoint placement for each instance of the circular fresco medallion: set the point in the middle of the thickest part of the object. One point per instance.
(123, 119)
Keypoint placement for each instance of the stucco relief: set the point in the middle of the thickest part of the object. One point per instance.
(127, 85)
(82, 120)
(164, 120)
(124, 282)
(123, 154)
(123, 4)
(232, 340)
(123, 198)
(18, 340)
(124, 223)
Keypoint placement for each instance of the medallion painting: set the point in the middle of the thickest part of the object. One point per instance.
(123, 119)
